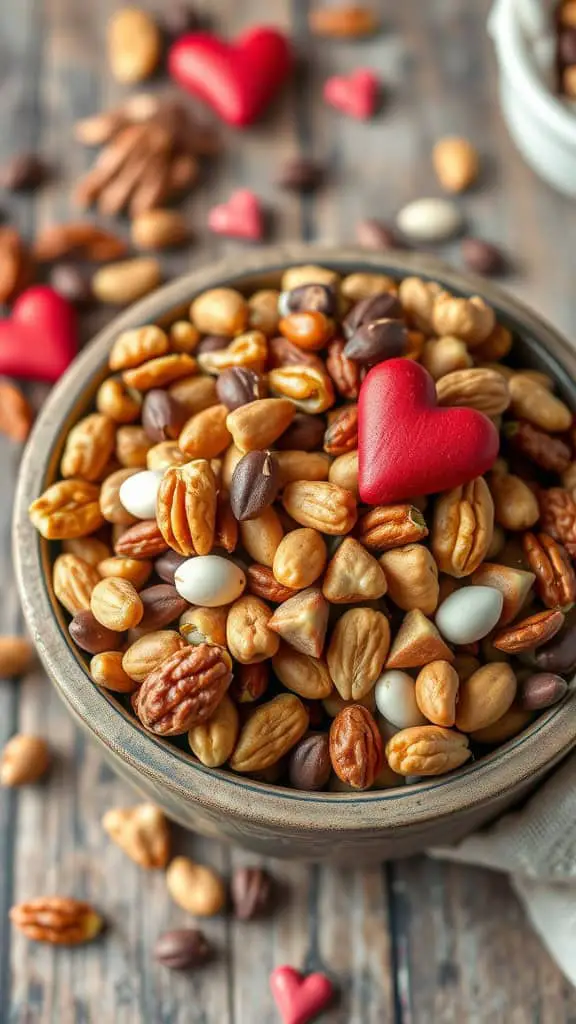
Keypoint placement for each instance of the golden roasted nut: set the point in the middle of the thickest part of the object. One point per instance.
(262, 536)
(106, 671)
(320, 505)
(531, 401)
(205, 435)
(165, 454)
(309, 388)
(220, 311)
(356, 748)
(110, 504)
(418, 298)
(248, 351)
(269, 733)
(300, 558)
(471, 319)
(446, 355)
(157, 373)
(309, 273)
(515, 504)
(552, 567)
(132, 446)
(137, 346)
(195, 393)
(436, 691)
(24, 759)
(263, 312)
(481, 389)
(294, 465)
(195, 888)
(485, 696)
(456, 163)
(204, 625)
(16, 656)
(512, 722)
(427, 750)
(353, 575)
(344, 472)
(136, 571)
(412, 577)
(308, 677)
(57, 920)
(391, 526)
(148, 652)
(88, 448)
(247, 635)
(89, 549)
(257, 425)
(186, 508)
(184, 337)
(119, 403)
(69, 508)
(357, 651)
(116, 604)
(73, 581)
(497, 345)
(462, 528)
(213, 741)
(141, 832)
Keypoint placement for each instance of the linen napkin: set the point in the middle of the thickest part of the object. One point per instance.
(536, 847)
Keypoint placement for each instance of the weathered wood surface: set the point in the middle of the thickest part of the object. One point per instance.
(416, 942)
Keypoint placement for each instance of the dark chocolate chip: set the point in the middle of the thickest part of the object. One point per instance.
(162, 416)
(254, 485)
(212, 343)
(24, 171)
(238, 386)
(182, 948)
(378, 340)
(304, 434)
(309, 767)
(71, 282)
(166, 565)
(251, 891)
(385, 305)
(316, 298)
(301, 175)
(373, 234)
(482, 257)
(92, 636)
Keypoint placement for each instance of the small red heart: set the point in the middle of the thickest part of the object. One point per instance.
(355, 94)
(38, 340)
(299, 998)
(236, 79)
(407, 446)
(240, 217)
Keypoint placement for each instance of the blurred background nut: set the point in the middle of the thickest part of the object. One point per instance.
(118, 284)
(141, 832)
(24, 759)
(134, 45)
(456, 163)
(251, 892)
(195, 887)
(182, 949)
(158, 229)
(16, 656)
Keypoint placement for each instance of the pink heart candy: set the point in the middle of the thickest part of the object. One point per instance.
(298, 997)
(38, 340)
(240, 217)
(355, 94)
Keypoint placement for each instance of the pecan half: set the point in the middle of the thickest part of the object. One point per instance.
(463, 528)
(342, 433)
(550, 563)
(56, 919)
(184, 690)
(558, 516)
(143, 540)
(391, 526)
(345, 373)
(551, 453)
(529, 633)
(263, 583)
(356, 748)
(186, 507)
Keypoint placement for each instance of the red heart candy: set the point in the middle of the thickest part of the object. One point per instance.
(407, 446)
(38, 340)
(236, 79)
(240, 217)
(355, 94)
(297, 997)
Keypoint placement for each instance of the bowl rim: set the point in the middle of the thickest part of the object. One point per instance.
(221, 792)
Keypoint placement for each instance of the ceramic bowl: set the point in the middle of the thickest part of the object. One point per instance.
(269, 819)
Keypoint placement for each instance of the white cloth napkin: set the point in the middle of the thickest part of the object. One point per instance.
(536, 847)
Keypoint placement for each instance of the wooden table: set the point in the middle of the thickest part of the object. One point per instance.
(415, 942)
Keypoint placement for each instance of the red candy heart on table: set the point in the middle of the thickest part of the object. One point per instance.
(355, 94)
(236, 79)
(38, 340)
(407, 445)
(240, 217)
(299, 998)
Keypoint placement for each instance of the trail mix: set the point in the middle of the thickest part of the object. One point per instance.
(224, 578)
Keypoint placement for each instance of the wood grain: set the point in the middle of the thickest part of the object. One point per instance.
(416, 942)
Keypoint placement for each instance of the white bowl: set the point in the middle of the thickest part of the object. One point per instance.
(540, 123)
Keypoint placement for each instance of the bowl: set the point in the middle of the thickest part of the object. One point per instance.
(276, 821)
(541, 125)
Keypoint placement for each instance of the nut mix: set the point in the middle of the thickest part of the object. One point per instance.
(228, 583)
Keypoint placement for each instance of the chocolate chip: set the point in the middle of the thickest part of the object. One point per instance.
(567, 46)
(254, 485)
(373, 342)
(482, 257)
(309, 767)
(22, 172)
(385, 305)
(373, 234)
(71, 282)
(182, 948)
(162, 416)
(541, 691)
(212, 343)
(316, 298)
(162, 604)
(301, 175)
(91, 636)
(251, 891)
(560, 655)
(166, 565)
(304, 434)
(238, 386)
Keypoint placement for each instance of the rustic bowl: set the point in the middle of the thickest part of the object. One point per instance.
(270, 819)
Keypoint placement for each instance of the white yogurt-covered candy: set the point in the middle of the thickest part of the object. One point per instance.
(396, 699)
(209, 580)
(139, 492)
(469, 614)
(429, 220)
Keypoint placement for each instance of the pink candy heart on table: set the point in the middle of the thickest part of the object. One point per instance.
(240, 217)
(299, 998)
(38, 340)
(355, 94)
(236, 79)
